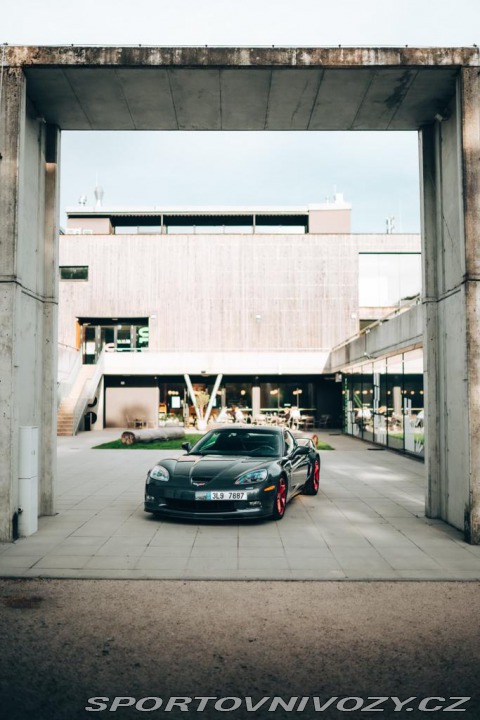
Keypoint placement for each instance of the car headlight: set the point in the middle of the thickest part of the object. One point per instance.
(159, 473)
(254, 476)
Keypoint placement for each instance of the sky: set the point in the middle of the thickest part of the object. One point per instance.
(376, 172)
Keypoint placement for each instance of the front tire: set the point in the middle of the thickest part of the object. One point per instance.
(280, 503)
(313, 483)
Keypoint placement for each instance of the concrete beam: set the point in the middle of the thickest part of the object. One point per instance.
(324, 57)
(145, 88)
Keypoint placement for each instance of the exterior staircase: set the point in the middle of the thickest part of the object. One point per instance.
(65, 419)
(72, 408)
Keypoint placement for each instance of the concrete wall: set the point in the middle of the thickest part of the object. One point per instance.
(28, 242)
(123, 403)
(99, 226)
(330, 221)
(209, 293)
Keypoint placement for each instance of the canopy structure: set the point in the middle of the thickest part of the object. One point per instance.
(434, 91)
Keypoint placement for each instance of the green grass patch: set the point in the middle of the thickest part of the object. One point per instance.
(324, 446)
(170, 444)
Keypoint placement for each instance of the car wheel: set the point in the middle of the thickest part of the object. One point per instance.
(280, 499)
(313, 482)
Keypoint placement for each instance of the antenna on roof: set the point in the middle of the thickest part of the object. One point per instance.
(98, 194)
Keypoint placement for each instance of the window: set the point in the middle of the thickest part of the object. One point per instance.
(74, 272)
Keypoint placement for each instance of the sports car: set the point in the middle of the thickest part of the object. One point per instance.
(234, 472)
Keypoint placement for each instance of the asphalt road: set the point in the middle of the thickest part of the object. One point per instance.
(65, 641)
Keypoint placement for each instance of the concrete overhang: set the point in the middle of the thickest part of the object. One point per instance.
(395, 333)
(193, 88)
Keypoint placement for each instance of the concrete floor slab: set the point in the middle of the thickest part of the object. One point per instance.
(366, 523)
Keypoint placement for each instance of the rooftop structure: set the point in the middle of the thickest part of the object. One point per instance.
(328, 217)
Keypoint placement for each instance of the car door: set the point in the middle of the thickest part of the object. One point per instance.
(298, 462)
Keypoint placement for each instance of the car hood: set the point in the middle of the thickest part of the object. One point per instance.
(212, 469)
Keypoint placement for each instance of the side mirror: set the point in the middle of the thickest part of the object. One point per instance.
(302, 450)
(187, 446)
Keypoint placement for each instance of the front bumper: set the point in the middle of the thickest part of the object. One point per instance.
(183, 503)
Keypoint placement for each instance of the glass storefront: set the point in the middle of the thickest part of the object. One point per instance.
(383, 402)
(318, 398)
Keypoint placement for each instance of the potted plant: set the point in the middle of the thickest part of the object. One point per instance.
(202, 399)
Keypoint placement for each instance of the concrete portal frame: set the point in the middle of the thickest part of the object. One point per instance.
(433, 91)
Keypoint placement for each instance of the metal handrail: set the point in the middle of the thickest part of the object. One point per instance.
(87, 393)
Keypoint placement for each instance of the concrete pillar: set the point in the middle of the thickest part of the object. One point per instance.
(28, 273)
(450, 178)
(11, 114)
(48, 427)
(471, 206)
(255, 400)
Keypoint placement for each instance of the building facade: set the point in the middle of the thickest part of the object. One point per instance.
(245, 304)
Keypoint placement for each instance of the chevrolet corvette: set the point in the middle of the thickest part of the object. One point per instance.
(234, 472)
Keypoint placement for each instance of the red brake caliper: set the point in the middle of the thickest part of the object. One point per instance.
(281, 497)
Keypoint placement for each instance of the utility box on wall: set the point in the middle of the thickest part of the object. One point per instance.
(28, 481)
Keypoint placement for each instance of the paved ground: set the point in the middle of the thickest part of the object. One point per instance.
(65, 641)
(366, 523)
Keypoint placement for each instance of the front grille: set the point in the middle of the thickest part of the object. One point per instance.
(201, 506)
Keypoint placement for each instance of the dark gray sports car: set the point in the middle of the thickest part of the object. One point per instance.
(234, 472)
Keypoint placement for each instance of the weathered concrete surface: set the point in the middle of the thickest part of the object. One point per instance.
(10, 148)
(471, 208)
(451, 230)
(153, 88)
(64, 642)
(28, 277)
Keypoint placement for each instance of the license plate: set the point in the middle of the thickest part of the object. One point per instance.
(222, 495)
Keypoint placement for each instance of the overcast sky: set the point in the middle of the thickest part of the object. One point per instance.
(377, 173)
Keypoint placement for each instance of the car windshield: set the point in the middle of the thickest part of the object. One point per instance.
(239, 442)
